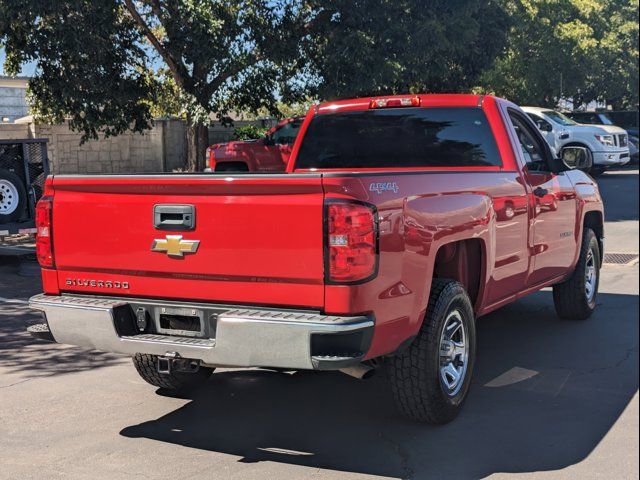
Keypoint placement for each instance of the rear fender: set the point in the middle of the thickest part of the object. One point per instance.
(459, 217)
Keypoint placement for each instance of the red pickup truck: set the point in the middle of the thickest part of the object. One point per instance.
(267, 154)
(398, 222)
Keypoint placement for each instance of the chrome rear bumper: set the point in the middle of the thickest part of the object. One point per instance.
(244, 337)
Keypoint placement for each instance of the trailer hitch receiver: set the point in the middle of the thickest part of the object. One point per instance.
(171, 361)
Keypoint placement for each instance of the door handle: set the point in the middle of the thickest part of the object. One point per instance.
(540, 192)
(174, 217)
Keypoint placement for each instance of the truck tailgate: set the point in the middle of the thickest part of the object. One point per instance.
(260, 237)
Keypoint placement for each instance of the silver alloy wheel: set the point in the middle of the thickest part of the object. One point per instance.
(591, 276)
(454, 354)
(9, 197)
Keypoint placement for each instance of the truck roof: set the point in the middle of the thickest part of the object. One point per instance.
(426, 100)
(538, 109)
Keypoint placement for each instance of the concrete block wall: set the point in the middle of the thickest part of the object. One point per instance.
(11, 131)
(126, 153)
(162, 148)
(174, 143)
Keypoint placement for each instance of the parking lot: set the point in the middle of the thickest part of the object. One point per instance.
(550, 399)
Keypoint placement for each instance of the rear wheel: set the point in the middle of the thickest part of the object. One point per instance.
(575, 299)
(13, 197)
(147, 367)
(430, 380)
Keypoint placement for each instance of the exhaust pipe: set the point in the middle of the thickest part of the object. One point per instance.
(360, 371)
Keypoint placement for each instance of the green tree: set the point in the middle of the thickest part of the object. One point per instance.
(582, 50)
(249, 132)
(93, 59)
(615, 76)
(362, 47)
(168, 99)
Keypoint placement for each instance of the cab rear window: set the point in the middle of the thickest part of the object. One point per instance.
(399, 137)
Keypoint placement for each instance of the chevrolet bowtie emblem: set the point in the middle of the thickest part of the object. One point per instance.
(174, 245)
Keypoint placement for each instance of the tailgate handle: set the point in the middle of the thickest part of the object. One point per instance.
(174, 217)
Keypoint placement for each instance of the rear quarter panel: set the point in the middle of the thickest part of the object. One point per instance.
(420, 213)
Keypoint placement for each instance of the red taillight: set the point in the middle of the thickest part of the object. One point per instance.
(211, 158)
(352, 237)
(395, 102)
(44, 241)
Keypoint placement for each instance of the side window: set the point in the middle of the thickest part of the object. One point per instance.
(590, 118)
(541, 123)
(286, 135)
(531, 144)
(593, 118)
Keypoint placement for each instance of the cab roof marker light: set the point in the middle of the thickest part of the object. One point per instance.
(395, 102)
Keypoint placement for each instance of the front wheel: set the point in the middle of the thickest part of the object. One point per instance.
(430, 379)
(575, 299)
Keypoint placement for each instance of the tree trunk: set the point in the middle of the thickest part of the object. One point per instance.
(197, 143)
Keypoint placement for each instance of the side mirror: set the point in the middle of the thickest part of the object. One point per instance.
(546, 127)
(576, 158)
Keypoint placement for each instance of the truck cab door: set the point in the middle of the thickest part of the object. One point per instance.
(553, 206)
(279, 144)
(267, 154)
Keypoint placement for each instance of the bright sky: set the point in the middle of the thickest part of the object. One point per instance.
(27, 70)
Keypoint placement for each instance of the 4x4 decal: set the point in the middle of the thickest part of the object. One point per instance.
(380, 187)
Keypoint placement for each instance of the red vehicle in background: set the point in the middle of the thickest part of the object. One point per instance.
(267, 154)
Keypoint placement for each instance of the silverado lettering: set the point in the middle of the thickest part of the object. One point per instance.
(83, 282)
(328, 264)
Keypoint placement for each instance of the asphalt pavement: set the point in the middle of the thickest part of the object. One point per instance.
(550, 399)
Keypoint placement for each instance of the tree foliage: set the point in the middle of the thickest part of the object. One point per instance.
(615, 78)
(112, 65)
(94, 58)
(168, 100)
(362, 47)
(249, 132)
(583, 50)
(90, 66)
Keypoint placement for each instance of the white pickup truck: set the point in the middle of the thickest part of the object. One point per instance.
(608, 145)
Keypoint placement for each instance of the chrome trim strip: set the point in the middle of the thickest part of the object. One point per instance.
(245, 337)
(192, 176)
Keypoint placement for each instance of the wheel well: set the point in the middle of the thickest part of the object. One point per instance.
(577, 144)
(594, 221)
(462, 261)
(231, 167)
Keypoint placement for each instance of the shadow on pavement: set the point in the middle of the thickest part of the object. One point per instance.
(578, 377)
(22, 354)
(620, 194)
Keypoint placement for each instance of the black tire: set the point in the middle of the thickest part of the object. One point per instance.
(147, 367)
(10, 185)
(414, 374)
(570, 297)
